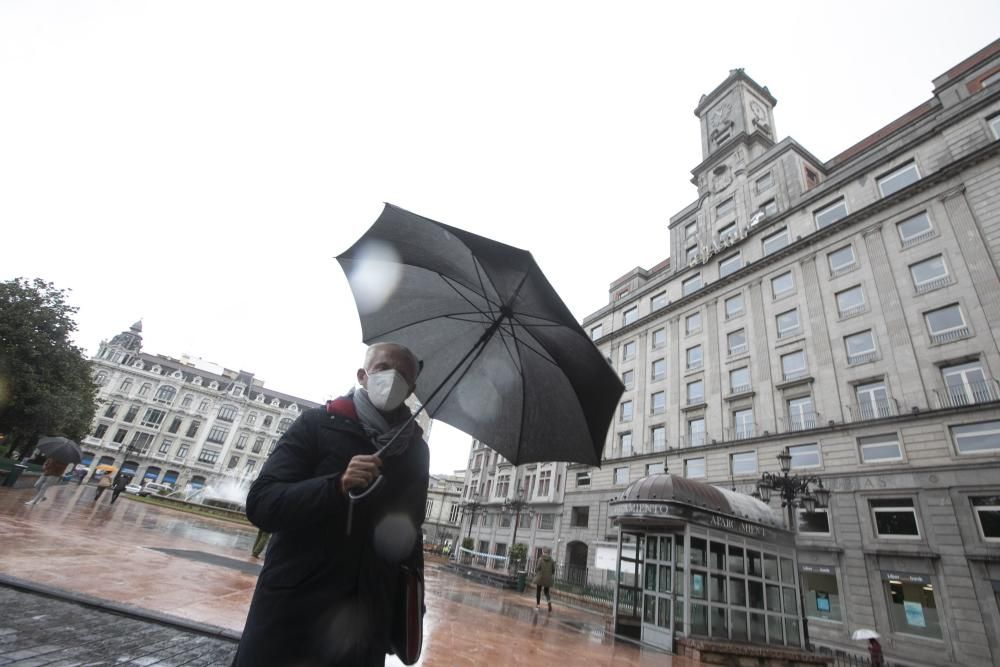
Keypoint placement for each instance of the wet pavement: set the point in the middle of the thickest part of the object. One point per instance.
(149, 559)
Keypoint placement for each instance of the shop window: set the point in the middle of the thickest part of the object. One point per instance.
(912, 606)
(820, 593)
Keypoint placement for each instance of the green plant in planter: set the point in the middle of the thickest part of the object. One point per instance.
(468, 542)
(518, 553)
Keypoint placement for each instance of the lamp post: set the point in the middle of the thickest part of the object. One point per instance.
(805, 491)
(515, 506)
(472, 506)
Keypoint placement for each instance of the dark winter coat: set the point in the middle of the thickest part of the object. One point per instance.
(545, 570)
(323, 597)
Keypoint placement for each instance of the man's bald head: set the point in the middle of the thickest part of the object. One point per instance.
(385, 356)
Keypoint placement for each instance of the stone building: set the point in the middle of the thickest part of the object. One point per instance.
(846, 312)
(185, 422)
(441, 525)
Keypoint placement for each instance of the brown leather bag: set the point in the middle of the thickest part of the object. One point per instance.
(407, 636)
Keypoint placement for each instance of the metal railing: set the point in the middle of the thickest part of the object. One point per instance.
(795, 375)
(740, 389)
(948, 336)
(862, 358)
(802, 421)
(694, 440)
(742, 432)
(943, 281)
(972, 393)
(878, 409)
(853, 310)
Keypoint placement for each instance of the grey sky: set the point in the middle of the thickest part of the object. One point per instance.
(199, 164)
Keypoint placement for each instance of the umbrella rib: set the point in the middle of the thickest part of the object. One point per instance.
(452, 284)
(452, 316)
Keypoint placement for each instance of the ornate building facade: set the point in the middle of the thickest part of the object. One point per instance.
(844, 312)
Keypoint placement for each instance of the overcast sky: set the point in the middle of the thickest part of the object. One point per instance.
(199, 164)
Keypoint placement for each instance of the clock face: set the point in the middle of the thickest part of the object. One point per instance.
(720, 114)
(757, 110)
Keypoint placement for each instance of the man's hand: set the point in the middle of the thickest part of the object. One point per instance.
(360, 472)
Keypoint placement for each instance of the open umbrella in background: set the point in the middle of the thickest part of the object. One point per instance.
(59, 448)
(864, 633)
(504, 359)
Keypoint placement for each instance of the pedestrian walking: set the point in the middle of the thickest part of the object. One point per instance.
(121, 481)
(326, 595)
(875, 651)
(258, 545)
(103, 484)
(545, 571)
(52, 472)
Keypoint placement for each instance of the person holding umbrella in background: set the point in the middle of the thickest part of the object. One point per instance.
(102, 485)
(121, 481)
(60, 452)
(52, 472)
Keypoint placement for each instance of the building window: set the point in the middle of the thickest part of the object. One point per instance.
(625, 443)
(743, 463)
(725, 207)
(692, 323)
(734, 306)
(793, 365)
(729, 265)
(764, 183)
(816, 522)
(915, 229)
(545, 479)
(880, 448)
(782, 285)
(873, 401)
(694, 468)
(630, 316)
(727, 231)
(736, 341)
(144, 389)
(208, 456)
(801, 414)
(165, 446)
(233, 462)
(966, 385)
(203, 406)
(227, 413)
(772, 243)
(284, 424)
(841, 260)
(994, 123)
(695, 392)
(898, 179)
(694, 359)
(658, 371)
(580, 517)
(258, 445)
(120, 436)
(788, 323)
(217, 434)
(175, 425)
(804, 456)
(739, 380)
(658, 301)
(894, 517)
(658, 435)
(628, 350)
(981, 438)
(659, 338)
(657, 402)
(182, 453)
(690, 231)
(582, 479)
(946, 324)
(596, 331)
(930, 273)
(126, 385)
(912, 608)
(696, 432)
(112, 410)
(140, 442)
(251, 419)
(655, 468)
(621, 476)
(850, 301)
(241, 441)
(546, 521)
(820, 594)
(743, 424)
(153, 418)
(987, 511)
(100, 431)
(691, 285)
(193, 429)
(691, 254)
(860, 347)
(165, 395)
(186, 402)
(828, 215)
(628, 378)
(626, 411)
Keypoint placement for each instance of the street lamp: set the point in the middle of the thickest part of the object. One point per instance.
(805, 491)
(472, 506)
(515, 506)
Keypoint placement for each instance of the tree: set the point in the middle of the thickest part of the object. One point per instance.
(46, 385)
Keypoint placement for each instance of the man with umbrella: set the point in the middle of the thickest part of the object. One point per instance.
(60, 452)
(325, 595)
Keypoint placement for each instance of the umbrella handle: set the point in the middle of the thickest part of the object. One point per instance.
(354, 496)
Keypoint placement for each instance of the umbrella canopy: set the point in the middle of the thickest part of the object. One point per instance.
(865, 634)
(61, 449)
(504, 359)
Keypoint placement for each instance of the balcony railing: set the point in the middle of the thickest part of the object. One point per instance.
(694, 365)
(878, 409)
(841, 270)
(694, 440)
(972, 393)
(740, 389)
(862, 358)
(800, 421)
(914, 240)
(794, 375)
(787, 333)
(741, 432)
(949, 336)
(930, 285)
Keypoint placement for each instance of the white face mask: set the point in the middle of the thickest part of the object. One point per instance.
(387, 389)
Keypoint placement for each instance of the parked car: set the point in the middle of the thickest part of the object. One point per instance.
(155, 488)
(134, 488)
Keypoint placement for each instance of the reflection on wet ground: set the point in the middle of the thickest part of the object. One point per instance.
(200, 569)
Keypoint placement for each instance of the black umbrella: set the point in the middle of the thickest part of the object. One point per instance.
(59, 448)
(504, 359)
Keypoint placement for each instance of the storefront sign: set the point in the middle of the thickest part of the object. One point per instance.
(653, 510)
(818, 569)
(905, 578)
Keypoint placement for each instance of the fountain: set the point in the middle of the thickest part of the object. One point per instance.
(227, 497)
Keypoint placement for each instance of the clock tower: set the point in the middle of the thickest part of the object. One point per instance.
(739, 108)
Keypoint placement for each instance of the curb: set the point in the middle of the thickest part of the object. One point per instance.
(121, 609)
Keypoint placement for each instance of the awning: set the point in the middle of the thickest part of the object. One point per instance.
(130, 467)
(170, 477)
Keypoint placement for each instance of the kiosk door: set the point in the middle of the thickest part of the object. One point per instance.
(657, 596)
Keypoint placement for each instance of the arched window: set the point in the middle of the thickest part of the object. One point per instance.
(186, 403)
(204, 405)
(101, 379)
(284, 424)
(268, 420)
(251, 418)
(126, 385)
(227, 413)
(197, 482)
(165, 394)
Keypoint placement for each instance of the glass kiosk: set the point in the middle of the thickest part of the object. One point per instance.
(709, 563)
